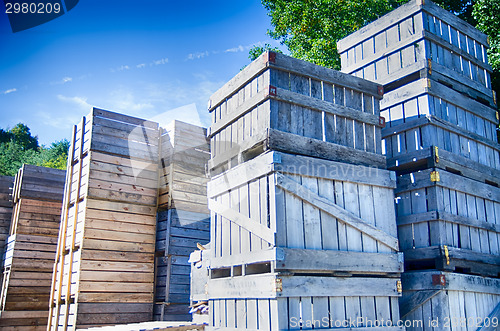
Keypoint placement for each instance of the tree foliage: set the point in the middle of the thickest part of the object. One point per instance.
(487, 14)
(310, 29)
(256, 51)
(18, 146)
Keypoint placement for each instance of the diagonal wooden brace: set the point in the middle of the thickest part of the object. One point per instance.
(336, 211)
(244, 221)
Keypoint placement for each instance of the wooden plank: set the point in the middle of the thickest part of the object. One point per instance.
(325, 260)
(263, 286)
(295, 144)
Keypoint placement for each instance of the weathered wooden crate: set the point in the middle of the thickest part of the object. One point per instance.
(37, 197)
(30, 252)
(183, 219)
(434, 300)
(428, 131)
(287, 212)
(420, 39)
(281, 103)
(6, 186)
(281, 302)
(104, 271)
(28, 265)
(185, 230)
(425, 97)
(185, 151)
(448, 222)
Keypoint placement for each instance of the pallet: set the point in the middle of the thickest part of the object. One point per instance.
(302, 106)
(183, 219)
(428, 131)
(420, 35)
(434, 157)
(425, 97)
(436, 208)
(449, 301)
(104, 271)
(452, 259)
(280, 211)
(280, 302)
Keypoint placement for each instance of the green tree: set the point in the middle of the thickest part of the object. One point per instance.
(13, 156)
(310, 29)
(18, 146)
(55, 156)
(256, 51)
(21, 135)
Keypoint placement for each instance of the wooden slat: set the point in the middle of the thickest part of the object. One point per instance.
(264, 286)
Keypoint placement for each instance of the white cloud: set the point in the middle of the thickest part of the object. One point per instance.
(123, 99)
(79, 101)
(9, 91)
(62, 81)
(142, 65)
(237, 49)
(160, 61)
(197, 56)
(60, 121)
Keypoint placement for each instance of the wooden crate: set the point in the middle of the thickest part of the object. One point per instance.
(281, 302)
(6, 186)
(424, 132)
(448, 222)
(31, 247)
(288, 212)
(435, 300)
(104, 271)
(183, 219)
(185, 230)
(37, 197)
(185, 151)
(420, 39)
(281, 103)
(424, 97)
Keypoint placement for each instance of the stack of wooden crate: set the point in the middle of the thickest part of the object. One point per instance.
(441, 140)
(183, 216)
(303, 228)
(6, 186)
(104, 270)
(31, 248)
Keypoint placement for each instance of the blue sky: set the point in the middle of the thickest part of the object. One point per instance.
(152, 59)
